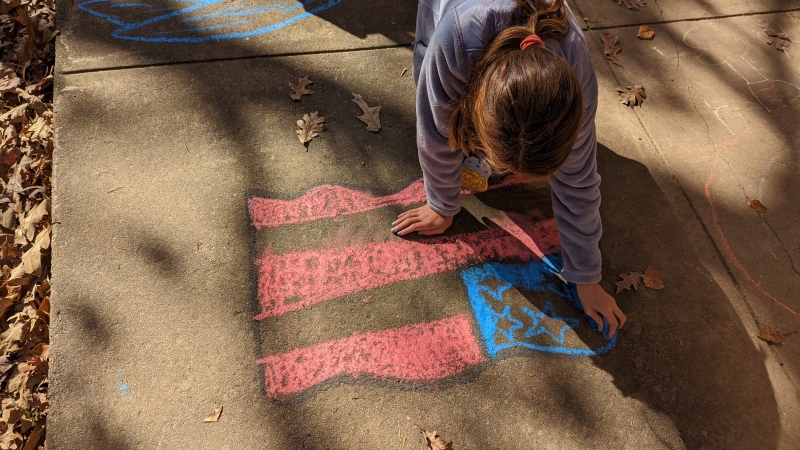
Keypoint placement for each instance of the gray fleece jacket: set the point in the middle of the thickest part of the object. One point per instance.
(450, 37)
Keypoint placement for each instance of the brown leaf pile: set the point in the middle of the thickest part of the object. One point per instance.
(27, 30)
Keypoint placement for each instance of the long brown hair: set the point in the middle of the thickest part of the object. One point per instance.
(523, 108)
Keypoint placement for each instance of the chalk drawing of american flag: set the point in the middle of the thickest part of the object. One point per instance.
(516, 253)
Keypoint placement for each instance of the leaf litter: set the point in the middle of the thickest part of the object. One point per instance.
(435, 442)
(300, 89)
(757, 205)
(310, 126)
(780, 41)
(214, 416)
(371, 116)
(26, 148)
(632, 95)
(635, 5)
(773, 335)
(646, 33)
(611, 47)
(649, 277)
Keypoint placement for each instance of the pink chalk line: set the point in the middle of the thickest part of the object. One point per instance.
(328, 201)
(725, 244)
(420, 352)
(314, 276)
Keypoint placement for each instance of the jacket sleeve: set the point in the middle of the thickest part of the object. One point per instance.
(441, 81)
(576, 191)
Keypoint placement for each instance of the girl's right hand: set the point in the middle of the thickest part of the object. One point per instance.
(423, 220)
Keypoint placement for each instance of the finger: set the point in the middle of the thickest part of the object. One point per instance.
(598, 319)
(411, 215)
(416, 226)
(403, 223)
(410, 211)
(613, 324)
(620, 317)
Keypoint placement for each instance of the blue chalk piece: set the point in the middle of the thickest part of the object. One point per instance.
(605, 328)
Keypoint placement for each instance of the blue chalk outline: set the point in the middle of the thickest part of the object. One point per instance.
(196, 5)
(535, 276)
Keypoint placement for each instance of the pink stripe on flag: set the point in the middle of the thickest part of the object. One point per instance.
(327, 202)
(420, 352)
(314, 276)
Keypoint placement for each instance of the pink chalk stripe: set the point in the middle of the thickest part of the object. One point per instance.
(420, 352)
(314, 276)
(328, 201)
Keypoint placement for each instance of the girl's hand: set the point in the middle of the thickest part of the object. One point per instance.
(423, 220)
(598, 304)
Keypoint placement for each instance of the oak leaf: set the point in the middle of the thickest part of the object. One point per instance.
(652, 279)
(646, 33)
(9, 84)
(435, 442)
(778, 40)
(300, 88)
(757, 205)
(371, 116)
(629, 280)
(214, 416)
(611, 47)
(310, 127)
(635, 5)
(772, 335)
(632, 95)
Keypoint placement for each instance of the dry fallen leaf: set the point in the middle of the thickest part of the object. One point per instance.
(778, 40)
(629, 280)
(646, 33)
(632, 95)
(371, 116)
(631, 4)
(435, 442)
(310, 127)
(214, 415)
(757, 205)
(300, 88)
(611, 47)
(772, 335)
(652, 279)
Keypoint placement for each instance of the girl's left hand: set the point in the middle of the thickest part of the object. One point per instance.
(598, 305)
(423, 220)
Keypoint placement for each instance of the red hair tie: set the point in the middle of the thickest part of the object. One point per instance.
(530, 40)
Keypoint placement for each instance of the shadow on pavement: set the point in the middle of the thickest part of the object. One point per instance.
(684, 352)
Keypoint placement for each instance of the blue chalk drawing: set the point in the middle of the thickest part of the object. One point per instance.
(193, 21)
(535, 276)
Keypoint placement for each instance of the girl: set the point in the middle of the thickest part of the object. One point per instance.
(510, 81)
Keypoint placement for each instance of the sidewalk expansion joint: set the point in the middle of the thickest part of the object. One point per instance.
(230, 59)
(691, 19)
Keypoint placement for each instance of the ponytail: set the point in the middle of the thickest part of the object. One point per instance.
(523, 106)
(547, 21)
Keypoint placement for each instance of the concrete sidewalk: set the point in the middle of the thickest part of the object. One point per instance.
(204, 256)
